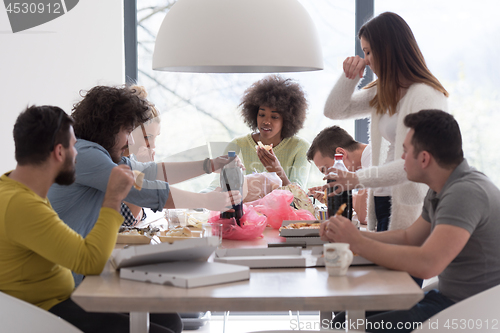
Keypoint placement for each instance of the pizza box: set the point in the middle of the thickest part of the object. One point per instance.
(305, 241)
(299, 232)
(278, 257)
(356, 261)
(189, 249)
(186, 274)
(262, 257)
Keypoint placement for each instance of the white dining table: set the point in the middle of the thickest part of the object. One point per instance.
(364, 288)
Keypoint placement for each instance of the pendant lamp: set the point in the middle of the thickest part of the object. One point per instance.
(237, 36)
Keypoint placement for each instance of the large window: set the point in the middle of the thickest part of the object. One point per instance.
(457, 38)
(201, 108)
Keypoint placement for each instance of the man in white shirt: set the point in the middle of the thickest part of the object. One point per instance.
(356, 155)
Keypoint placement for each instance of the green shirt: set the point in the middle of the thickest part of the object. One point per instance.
(291, 152)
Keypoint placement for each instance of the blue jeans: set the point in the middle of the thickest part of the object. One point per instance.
(403, 320)
(382, 212)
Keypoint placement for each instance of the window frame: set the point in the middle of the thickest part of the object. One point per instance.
(364, 10)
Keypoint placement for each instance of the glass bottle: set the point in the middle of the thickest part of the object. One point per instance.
(336, 201)
(231, 179)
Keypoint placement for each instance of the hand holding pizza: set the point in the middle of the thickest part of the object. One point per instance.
(269, 160)
(318, 193)
(120, 182)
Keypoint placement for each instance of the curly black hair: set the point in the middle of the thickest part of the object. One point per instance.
(277, 92)
(104, 110)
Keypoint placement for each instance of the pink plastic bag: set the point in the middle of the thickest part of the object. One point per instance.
(252, 224)
(276, 206)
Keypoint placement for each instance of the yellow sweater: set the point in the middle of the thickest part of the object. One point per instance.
(38, 250)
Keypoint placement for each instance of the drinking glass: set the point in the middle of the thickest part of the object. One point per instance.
(213, 230)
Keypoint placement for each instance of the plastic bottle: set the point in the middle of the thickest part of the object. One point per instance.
(345, 197)
(231, 179)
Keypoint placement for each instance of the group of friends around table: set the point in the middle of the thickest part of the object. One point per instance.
(60, 207)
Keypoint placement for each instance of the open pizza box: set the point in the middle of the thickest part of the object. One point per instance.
(180, 264)
(307, 231)
(194, 249)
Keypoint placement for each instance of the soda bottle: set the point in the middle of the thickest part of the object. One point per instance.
(231, 179)
(345, 197)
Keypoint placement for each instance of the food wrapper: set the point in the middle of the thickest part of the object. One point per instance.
(252, 224)
(258, 185)
(300, 198)
(276, 207)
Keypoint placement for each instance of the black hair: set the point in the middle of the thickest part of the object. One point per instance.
(277, 92)
(104, 111)
(328, 140)
(438, 133)
(38, 130)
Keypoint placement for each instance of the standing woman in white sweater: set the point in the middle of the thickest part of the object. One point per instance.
(404, 85)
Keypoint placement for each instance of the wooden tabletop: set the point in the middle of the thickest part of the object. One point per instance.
(283, 289)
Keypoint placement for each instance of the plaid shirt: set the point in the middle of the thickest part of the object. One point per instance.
(130, 219)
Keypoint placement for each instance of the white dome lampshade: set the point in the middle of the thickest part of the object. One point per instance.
(237, 36)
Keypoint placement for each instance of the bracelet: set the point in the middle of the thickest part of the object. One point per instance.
(207, 166)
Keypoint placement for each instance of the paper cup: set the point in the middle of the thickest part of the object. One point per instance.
(338, 258)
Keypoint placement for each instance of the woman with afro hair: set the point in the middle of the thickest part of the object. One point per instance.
(275, 110)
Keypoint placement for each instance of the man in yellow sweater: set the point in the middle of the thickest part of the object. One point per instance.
(38, 250)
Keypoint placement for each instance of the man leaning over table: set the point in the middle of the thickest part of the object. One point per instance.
(104, 120)
(456, 236)
(356, 155)
(38, 250)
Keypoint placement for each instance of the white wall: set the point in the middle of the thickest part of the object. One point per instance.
(51, 63)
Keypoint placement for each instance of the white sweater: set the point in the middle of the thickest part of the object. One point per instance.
(407, 197)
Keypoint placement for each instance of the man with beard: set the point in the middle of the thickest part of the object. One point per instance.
(38, 250)
(104, 120)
